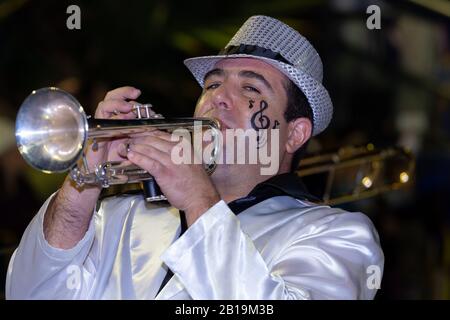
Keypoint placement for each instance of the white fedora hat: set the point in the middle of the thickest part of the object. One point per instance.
(279, 45)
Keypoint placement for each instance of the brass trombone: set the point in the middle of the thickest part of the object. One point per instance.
(355, 173)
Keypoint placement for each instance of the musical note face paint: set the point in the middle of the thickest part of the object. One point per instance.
(276, 124)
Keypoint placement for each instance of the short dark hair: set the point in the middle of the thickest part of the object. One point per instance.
(297, 107)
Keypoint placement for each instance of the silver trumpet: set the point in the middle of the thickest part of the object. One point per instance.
(52, 131)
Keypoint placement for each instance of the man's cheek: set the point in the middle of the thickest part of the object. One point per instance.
(198, 110)
(200, 107)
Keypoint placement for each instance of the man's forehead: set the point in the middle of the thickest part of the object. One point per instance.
(238, 64)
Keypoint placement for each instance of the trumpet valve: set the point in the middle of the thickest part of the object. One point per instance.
(144, 111)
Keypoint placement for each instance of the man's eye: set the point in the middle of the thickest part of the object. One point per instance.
(252, 89)
(212, 86)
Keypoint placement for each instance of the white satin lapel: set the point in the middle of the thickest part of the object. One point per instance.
(173, 290)
(159, 226)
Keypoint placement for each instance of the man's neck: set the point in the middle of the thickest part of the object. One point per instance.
(238, 184)
(229, 193)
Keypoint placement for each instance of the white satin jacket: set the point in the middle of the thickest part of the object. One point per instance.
(281, 248)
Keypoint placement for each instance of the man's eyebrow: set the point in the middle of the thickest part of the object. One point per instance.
(213, 72)
(254, 75)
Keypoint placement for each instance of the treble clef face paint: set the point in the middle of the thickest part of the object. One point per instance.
(259, 121)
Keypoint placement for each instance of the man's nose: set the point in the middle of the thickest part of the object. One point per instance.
(222, 98)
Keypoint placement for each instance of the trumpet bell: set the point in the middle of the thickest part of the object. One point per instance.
(51, 129)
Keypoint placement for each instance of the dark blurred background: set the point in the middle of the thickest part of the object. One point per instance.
(389, 86)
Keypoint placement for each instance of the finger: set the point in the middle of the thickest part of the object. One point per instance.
(155, 133)
(148, 161)
(108, 108)
(123, 93)
(123, 116)
(162, 134)
(123, 149)
(153, 142)
(126, 162)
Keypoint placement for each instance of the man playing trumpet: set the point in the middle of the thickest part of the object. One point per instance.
(237, 234)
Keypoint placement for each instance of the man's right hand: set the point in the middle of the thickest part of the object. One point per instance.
(70, 211)
(118, 104)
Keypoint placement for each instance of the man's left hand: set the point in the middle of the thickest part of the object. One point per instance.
(186, 186)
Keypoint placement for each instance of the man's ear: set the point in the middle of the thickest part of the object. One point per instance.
(299, 131)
